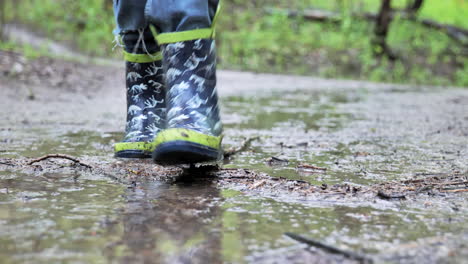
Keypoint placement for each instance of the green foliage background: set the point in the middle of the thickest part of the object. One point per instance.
(253, 37)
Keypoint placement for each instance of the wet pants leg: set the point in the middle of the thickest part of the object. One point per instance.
(166, 15)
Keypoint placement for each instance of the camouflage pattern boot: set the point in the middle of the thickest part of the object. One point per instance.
(193, 125)
(146, 108)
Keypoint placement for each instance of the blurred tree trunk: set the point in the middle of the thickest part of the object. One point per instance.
(382, 26)
(414, 6)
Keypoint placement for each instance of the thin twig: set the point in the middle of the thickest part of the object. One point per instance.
(448, 183)
(423, 189)
(257, 184)
(230, 169)
(115, 178)
(387, 196)
(59, 156)
(334, 193)
(244, 145)
(328, 248)
(307, 166)
(6, 163)
(455, 191)
(275, 161)
(428, 174)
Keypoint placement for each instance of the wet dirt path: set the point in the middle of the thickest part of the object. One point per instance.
(409, 142)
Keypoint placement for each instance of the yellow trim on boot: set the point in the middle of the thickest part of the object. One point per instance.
(145, 146)
(142, 58)
(201, 33)
(183, 134)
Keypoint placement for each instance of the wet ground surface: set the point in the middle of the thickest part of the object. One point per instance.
(376, 170)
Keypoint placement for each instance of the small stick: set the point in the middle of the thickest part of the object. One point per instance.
(384, 195)
(276, 159)
(244, 145)
(307, 166)
(455, 191)
(449, 183)
(6, 163)
(328, 248)
(423, 189)
(257, 184)
(59, 156)
(334, 193)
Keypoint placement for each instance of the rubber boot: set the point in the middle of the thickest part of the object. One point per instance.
(193, 125)
(146, 109)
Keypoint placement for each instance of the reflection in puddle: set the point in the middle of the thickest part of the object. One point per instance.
(311, 111)
(54, 218)
(38, 142)
(298, 126)
(171, 224)
(335, 130)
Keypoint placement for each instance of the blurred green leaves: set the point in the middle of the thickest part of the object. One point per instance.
(252, 39)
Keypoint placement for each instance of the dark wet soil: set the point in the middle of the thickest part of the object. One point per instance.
(377, 170)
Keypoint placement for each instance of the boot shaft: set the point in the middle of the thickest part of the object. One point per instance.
(192, 100)
(146, 107)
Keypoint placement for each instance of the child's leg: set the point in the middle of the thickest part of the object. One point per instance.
(129, 15)
(177, 16)
(185, 33)
(144, 80)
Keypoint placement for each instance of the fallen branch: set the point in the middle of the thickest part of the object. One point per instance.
(328, 248)
(244, 145)
(59, 156)
(456, 33)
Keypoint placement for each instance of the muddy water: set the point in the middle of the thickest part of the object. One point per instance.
(360, 136)
(290, 126)
(92, 220)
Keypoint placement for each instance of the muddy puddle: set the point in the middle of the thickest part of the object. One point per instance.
(91, 219)
(58, 211)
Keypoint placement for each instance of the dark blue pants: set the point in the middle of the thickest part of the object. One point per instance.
(133, 18)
